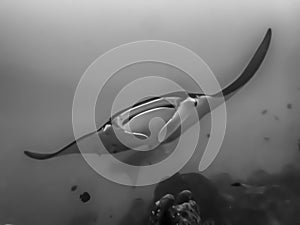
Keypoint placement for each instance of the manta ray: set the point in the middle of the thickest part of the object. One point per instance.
(132, 123)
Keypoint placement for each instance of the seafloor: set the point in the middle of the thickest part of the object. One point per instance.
(261, 199)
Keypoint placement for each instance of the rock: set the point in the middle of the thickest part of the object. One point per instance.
(204, 193)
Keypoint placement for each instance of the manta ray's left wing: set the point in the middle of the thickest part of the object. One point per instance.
(107, 133)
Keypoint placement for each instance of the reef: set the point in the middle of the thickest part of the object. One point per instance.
(262, 198)
(192, 199)
(202, 205)
(180, 211)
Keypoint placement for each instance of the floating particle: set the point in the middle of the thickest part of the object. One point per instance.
(276, 117)
(266, 138)
(289, 106)
(299, 144)
(264, 111)
(74, 188)
(85, 197)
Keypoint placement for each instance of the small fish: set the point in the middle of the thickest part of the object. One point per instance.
(299, 144)
(276, 117)
(132, 123)
(264, 111)
(289, 106)
(252, 189)
(74, 188)
(266, 138)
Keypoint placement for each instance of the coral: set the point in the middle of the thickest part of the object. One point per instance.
(182, 211)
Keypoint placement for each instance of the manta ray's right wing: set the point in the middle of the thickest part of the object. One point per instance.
(206, 103)
(250, 69)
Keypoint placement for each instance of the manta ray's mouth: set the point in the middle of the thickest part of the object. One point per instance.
(158, 106)
(140, 123)
(136, 115)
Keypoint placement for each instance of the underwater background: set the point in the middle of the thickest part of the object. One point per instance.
(47, 45)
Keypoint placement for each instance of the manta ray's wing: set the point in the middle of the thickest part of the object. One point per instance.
(251, 68)
(71, 148)
(109, 138)
(89, 143)
(174, 124)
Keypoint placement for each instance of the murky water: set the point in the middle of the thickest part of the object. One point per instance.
(46, 47)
